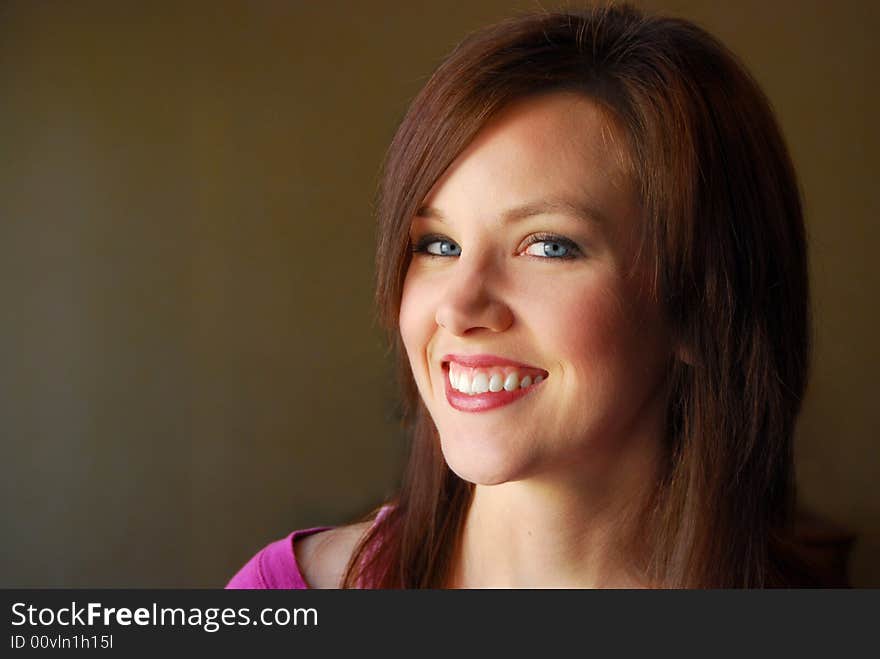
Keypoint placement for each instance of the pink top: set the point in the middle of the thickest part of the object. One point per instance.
(275, 565)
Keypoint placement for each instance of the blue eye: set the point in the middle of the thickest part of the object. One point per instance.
(437, 246)
(545, 246)
(552, 247)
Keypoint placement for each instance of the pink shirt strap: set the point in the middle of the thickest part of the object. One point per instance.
(274, 566)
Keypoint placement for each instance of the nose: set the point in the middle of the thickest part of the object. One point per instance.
(469, 302)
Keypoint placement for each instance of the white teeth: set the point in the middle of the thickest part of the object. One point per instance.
(473, 382)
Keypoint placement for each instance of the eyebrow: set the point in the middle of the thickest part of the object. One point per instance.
(554, 205)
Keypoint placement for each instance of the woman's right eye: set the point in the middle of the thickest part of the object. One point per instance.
(437, 246)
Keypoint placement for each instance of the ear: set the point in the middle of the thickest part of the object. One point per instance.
(684, 353)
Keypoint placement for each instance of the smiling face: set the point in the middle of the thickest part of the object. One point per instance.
(522, 270)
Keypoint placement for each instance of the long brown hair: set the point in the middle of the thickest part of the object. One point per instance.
(724, 247)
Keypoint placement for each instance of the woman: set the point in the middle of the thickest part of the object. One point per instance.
(592, 265)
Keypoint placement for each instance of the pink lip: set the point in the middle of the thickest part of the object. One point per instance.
(487, 401)
(477, 361)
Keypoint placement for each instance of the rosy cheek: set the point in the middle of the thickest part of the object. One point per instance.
(593, 317)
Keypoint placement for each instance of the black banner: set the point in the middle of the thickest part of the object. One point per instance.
(133, 621)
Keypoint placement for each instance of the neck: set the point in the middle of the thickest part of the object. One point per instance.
(557, 532)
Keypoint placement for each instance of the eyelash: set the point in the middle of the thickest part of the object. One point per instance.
(421, 246)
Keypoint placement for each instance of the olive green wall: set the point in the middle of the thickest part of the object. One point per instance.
(190, 366)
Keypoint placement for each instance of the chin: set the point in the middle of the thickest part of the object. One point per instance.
(488, 466)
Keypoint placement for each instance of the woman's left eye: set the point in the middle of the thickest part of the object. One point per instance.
(552, 247)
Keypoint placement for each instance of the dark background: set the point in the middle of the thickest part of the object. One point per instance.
(189, 366)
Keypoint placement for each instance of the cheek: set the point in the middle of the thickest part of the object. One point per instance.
(415, 320)
(588, 325)
(616, 346)
(407, 320)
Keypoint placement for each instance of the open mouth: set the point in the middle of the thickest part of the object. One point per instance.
(473, 381)
(479, 389)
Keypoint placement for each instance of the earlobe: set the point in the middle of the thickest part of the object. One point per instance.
(684, 353)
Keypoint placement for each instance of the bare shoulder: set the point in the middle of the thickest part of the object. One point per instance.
(322, 557)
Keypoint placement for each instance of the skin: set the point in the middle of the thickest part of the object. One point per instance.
(560, 473)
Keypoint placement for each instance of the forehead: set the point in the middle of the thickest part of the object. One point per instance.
(558, 145)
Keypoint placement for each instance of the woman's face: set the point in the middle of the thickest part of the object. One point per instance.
(521, 284)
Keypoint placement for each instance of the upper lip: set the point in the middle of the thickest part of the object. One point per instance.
(477, 361)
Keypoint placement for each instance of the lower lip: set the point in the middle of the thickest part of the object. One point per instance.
(483, 402)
